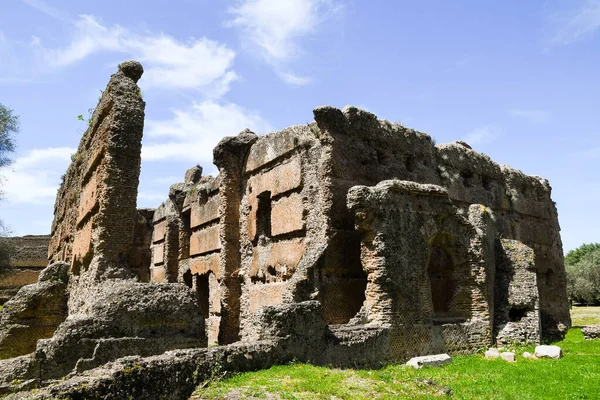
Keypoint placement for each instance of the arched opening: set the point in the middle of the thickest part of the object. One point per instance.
(342, 280)
(440, 269)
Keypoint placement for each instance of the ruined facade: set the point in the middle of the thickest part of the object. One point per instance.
(447, 249)
(348, 241)
(28, 259)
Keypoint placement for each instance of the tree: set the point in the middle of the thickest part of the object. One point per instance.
(9, 127)
(574, 256)
(583, 273)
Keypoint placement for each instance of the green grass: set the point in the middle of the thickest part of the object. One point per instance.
(582, 316)
(575, 376)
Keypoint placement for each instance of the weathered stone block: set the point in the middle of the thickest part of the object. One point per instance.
(203, 213)
(287, 215)
(268, 148)
(93, 161)
(280, 179)
(508, 356)
(34, 312)
(205, 240)
(83, 241)
(158, 274)
(159, 231)
(210, 263)
(491, 353)
(265, 294)
(430, 361)
(212, 330)
(158, 254)
(282, 256)
(546, 351)
(88, 198)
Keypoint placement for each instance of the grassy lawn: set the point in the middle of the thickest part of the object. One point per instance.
(583, 316)
(575, 376)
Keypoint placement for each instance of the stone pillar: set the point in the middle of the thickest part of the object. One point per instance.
(230, 156)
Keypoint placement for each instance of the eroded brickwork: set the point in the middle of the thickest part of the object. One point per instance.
(347, 241)
(28, 259)
(274, 228)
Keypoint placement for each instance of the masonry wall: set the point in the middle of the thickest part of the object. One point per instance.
(429, 283)
(517, 313)
(95, 209)
(366, 151)
(274, 228)
(28, 259)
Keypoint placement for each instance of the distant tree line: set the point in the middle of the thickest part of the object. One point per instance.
(583, 274)
(9, 126)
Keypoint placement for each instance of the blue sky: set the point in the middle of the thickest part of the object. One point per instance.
(517, 80)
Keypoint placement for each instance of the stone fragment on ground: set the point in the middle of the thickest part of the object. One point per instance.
(545, 351)
(508, 356)
(492, 353)
(431, 361)
(527, 354)
(591, 332)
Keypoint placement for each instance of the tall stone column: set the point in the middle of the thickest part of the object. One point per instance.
(230, 157)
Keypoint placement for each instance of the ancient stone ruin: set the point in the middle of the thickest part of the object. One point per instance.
(28, 258)
(347, 241)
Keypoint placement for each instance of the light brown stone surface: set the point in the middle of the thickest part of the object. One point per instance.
(158, 254)
(28, 257)
(270, 149)
(158, 274)
(287, 215)
(159, 231)
(203, 213)
(205, 240)
(268, 294)
(89, 198)
(281, 179)
(202, 265)
(83, 241)
(282, 256)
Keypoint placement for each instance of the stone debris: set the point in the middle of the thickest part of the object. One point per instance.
(492, 353)
(508, 356)
(429, 361)
(545, 351)
(591, 332)
(527, 354)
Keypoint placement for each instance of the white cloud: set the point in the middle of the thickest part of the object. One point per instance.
(533, 116)
(482, 135)
(34, 178)
(47, 9)
(276, 28)
(571, 26)
(293, 79)
(201, 64)
(192, 134)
